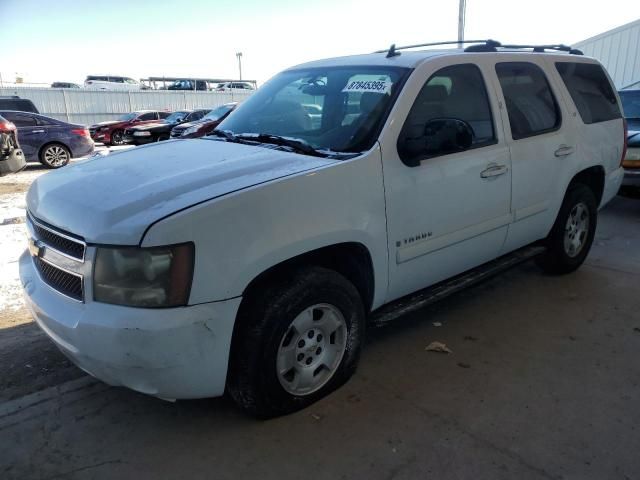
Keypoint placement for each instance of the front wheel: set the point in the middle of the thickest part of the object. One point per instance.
(295, 342)
(117, 137)
(55, 155)
(572, 234)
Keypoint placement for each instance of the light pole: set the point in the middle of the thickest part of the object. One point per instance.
(461, 19)
(239, 55)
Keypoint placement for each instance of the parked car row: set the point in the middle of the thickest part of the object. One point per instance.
(115, 82)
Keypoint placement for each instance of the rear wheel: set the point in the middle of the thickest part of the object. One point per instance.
(295, 342)
(55, 155)
(572, 234)
(117, 137)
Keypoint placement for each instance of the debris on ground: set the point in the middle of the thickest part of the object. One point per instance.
(464, 365)
(438, 347)
(636, 329)
(469, 338)
(436, 324)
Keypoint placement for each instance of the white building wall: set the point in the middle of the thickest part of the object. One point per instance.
(87, 107)
(619, 52)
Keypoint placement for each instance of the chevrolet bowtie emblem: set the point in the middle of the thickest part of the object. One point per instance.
(36, 248)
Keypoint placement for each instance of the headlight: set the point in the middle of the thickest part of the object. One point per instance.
(144, 277)
(190, 130)
(141, 134)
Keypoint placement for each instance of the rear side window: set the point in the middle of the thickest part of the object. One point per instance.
(20, 119)
(590, 90)
(531, 106)
(164, 114)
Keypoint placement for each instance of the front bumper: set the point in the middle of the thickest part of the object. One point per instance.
(169, 353)
(131, 140)
(101, 137)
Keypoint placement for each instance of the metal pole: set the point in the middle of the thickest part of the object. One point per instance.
(239, 55)
(461, 19)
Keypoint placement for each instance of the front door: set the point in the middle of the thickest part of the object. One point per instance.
(447, 176)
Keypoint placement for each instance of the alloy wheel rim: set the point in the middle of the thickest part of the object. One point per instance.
(56, 156)
(576, 230)
(116, 138)
(311, 349)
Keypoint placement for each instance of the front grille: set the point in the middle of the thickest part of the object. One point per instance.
(176, 133)
(58, 241)
(67, 283)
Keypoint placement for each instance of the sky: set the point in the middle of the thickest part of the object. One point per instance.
(65, 40)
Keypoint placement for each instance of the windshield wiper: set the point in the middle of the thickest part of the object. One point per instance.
(296, 144)
(226, 134)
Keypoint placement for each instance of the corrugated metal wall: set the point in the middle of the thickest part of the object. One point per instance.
(619, 52)
(90, 106)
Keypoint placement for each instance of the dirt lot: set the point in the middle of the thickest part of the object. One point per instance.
(543, 382)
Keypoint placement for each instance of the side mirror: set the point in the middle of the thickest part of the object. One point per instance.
(441, 136)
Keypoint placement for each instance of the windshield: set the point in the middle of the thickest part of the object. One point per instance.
(218, 113)
(175, 116)
(127, 117)
(631, 103)
(340, 109)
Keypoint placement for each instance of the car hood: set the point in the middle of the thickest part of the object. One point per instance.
(153, 126)
(113, 199)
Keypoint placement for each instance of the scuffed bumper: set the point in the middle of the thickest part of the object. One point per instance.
(169, 353)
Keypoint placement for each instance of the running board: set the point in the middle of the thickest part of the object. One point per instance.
(429, 295)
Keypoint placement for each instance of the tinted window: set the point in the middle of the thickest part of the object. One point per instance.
(164, 114)
(531, 106)
(590, 90)
(631, 103)
(456, 92)
(116, 79)
(20, 119)
(19, 104)
(98, 78)
(148, 116)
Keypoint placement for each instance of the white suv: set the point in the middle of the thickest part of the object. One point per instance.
(251, 260)
(111, 82)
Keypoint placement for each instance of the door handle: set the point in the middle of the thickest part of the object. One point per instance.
(563, 151)
(494, 171)
(37, 131)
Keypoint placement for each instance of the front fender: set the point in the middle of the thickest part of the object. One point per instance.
(244, 233)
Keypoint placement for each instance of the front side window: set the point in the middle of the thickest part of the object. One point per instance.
(450, 114)
(147, 116)
(590, 90)
(531, 106)
(351, 105)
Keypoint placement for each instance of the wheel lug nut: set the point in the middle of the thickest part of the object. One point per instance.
(300, 357)
(301, 344)
(309, 360)
(318, 351)
(310, 334)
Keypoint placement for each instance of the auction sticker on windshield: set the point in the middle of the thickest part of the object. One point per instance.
(373, 86)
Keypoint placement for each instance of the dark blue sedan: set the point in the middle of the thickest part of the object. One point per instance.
(47, 140)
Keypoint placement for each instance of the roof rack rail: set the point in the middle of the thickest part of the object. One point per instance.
(481, 46)
(392, 51)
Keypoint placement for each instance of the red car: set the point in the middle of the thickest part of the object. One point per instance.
(112, 132)
(203, 126)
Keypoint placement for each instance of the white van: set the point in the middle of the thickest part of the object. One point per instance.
(111, 82)
(252, 259)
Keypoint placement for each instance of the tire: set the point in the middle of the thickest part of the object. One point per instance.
(55, 155)
(117, 137)
(285, 353)
(572, 234)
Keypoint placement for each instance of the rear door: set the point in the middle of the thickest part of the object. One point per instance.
(31, 136)
(541, 140)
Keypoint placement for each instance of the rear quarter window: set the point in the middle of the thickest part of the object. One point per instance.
(590, 90)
